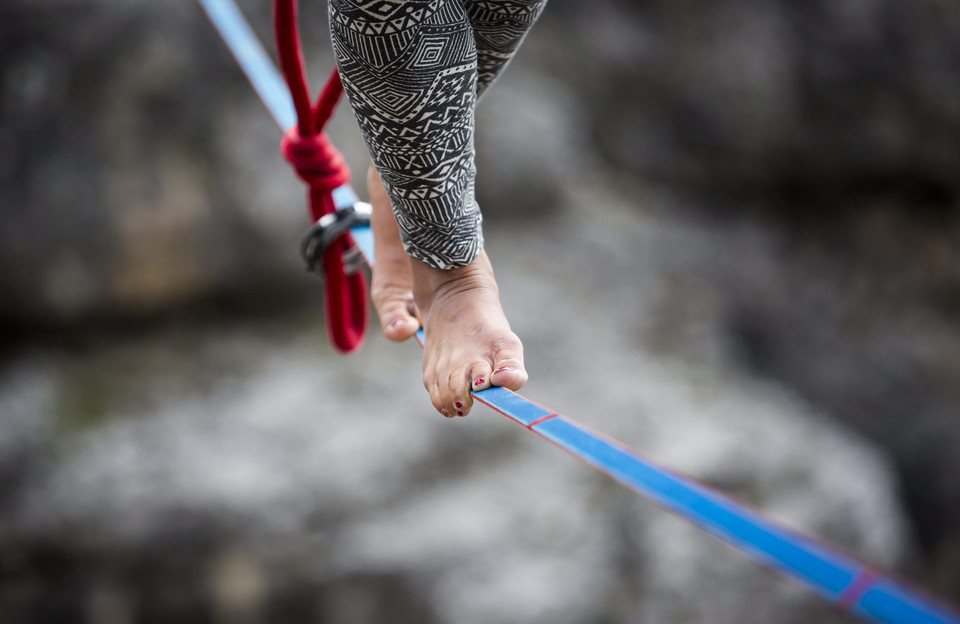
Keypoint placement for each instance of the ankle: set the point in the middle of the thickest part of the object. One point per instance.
(430, 283)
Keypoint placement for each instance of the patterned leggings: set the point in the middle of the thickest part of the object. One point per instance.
(413, 71)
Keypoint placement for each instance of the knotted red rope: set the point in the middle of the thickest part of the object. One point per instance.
(322, 167)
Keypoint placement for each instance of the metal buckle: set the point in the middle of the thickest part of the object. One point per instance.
(327, 229)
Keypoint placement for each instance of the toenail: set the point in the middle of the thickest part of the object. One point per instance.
(396, 323)
(458, 404)
(459, 413)
(502, 368)
(478, 382)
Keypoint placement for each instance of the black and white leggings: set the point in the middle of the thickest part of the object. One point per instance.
(413, 71)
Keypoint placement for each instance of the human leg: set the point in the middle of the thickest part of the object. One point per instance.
(499, 27)
(409, 70)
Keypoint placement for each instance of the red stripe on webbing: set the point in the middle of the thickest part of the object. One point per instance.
(858, 587)
(542, 419)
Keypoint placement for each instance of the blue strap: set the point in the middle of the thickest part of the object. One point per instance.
(253, 59)
(834, 575)
(820, 566)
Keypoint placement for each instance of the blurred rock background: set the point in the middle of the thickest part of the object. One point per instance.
(736, 223)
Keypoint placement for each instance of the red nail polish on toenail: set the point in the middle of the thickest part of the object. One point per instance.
(458, 404)
(478, 382)
(459, 413)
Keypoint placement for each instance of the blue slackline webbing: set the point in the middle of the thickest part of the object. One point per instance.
(835, 575)
(253, 59)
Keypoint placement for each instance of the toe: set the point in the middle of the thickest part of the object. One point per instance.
(399, 327)
(396, 311)
(508, 369)
(461, 406)
(429, 382)
(454, 394)
(480, 375)
(477, 377)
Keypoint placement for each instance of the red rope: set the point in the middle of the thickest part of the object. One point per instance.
(320, 165)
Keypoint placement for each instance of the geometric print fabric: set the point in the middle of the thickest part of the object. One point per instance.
(413, 71)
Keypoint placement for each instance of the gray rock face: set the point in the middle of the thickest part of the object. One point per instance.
(245, 474)
(145, 174)
(862, 321)
(813, 101)
(140, 173)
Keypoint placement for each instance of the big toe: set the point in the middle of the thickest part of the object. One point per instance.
(508, 369)
(397, 315)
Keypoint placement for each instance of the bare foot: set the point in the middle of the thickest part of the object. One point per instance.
(392, 288)
(469, 345)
